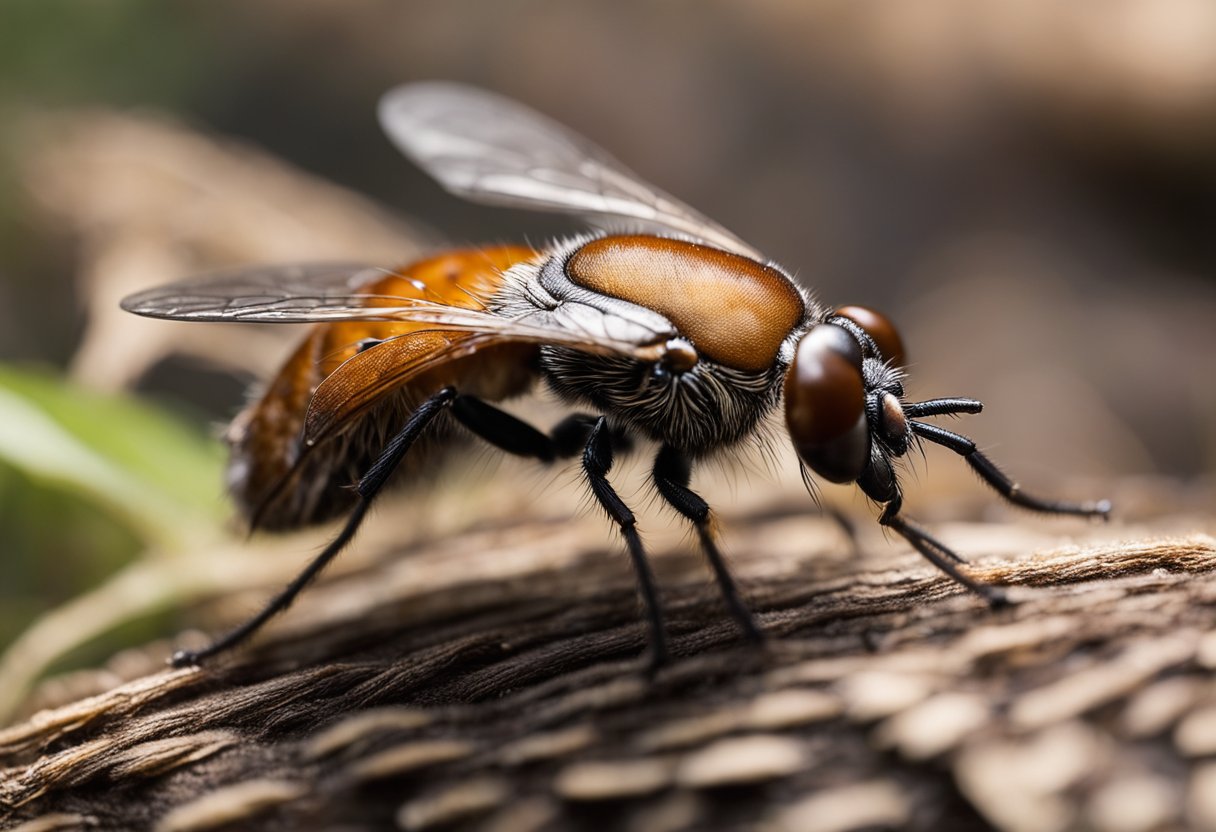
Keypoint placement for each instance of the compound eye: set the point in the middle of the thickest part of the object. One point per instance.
(825, 404)
(880, 328)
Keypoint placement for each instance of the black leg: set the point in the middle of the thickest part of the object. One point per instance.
(596, 440)
(937, 552)
(999, 481)
(570, 434)
(370, 486)
(504, 431)
(597, 462)
(672, 471)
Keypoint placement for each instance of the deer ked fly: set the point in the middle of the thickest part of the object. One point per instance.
(665, 327)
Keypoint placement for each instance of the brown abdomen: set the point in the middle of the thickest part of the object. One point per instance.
(270, 476)
(735, 310)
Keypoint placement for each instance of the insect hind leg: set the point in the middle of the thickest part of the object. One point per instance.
(517, 437)
(368, 488)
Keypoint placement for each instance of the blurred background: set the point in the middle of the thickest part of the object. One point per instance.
(1027, 187)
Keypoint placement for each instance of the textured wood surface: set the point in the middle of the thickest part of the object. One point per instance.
(490, 680)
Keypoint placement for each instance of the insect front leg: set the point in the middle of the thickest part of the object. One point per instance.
(936, 552)
(672, 472)
(879, 483)
(999, 481)
(368, 488)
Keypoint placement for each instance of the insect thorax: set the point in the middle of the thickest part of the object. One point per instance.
(698, 411)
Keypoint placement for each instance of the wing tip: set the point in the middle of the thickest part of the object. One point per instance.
(137, 304)
(411, 95)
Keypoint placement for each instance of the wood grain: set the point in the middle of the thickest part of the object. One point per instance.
(491, 680)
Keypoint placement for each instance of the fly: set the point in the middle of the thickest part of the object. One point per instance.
(665, 326)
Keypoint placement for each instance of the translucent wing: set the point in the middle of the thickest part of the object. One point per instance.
(332, 292)
(490, 149)
(285, 293)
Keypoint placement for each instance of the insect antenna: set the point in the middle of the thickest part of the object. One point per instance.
(942, 407)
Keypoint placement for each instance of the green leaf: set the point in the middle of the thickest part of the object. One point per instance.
(143, 465)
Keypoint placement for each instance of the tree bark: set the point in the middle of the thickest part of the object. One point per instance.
(493, 680)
